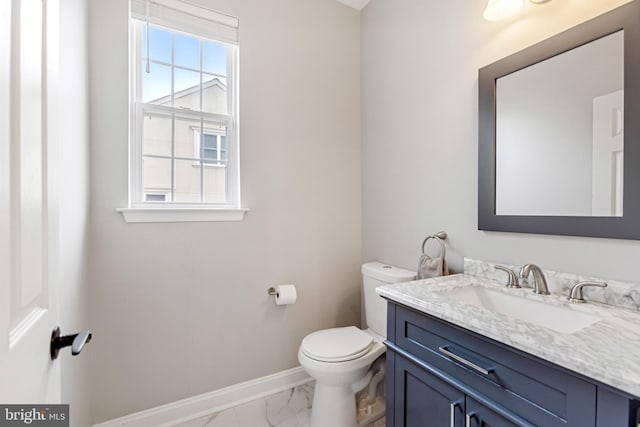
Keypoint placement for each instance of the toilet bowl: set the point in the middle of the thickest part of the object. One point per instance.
(340, 359)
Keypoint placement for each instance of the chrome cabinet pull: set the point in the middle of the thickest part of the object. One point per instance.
(468, 418)
(452, 416)
(464, 361)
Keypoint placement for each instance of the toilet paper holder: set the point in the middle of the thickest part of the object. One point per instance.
(283, 294)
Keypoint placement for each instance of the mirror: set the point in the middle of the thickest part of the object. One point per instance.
(556, 133)
(562, 154)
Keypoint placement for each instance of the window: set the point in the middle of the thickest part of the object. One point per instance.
(155, 197)
(184, 142)
(214, 150)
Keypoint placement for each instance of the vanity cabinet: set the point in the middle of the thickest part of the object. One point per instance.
(429, 401)
(439, 374)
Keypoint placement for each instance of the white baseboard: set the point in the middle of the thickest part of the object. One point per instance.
(215, 401)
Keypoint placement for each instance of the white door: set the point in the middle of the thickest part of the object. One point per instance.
(28, 221)
(608, 155)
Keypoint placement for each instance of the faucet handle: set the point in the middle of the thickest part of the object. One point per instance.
(523, 275)
(513, 279)
(576, 291)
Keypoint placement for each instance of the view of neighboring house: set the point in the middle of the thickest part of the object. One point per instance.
(189, 173)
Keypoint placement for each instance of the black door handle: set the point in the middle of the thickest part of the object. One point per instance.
(76, 341)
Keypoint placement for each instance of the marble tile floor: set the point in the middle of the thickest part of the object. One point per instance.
(289, 408)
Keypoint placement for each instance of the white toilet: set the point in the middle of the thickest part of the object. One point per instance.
(340, 359)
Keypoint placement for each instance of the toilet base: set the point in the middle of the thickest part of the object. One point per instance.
(334, 398)
(333, 406)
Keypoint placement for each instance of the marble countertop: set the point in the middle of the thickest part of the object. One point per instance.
(607, 351)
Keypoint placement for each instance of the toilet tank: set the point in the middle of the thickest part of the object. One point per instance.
(376, 274)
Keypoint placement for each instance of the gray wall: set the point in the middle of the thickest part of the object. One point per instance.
(182, 309)
(74, 203)
(419, 134)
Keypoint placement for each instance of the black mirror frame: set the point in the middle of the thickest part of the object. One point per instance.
(627, 18)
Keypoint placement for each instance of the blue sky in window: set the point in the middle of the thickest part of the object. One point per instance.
(157, 83)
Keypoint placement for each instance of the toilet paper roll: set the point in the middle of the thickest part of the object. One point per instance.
(286, 294)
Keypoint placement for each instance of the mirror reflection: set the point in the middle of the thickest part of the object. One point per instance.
(559, 134)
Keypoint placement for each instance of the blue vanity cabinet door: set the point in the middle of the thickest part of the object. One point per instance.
(422, 400)
(480, 415)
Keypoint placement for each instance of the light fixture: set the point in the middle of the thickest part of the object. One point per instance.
(498, 10)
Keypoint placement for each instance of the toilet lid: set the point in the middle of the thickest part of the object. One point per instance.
(337, 344)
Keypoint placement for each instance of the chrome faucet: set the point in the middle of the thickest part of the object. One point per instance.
(539, 282)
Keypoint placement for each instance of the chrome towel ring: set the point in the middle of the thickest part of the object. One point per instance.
(439, 237)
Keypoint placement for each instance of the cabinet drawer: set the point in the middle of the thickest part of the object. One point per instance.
(535, 390)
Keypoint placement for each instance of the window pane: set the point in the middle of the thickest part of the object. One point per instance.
(214, 58)
(187, 181)
(159, 44)
(187, 141)
(186, 51)
(156, 85)
(187, 89)
(210, 155)
(210, 148)
(157, 135)
(214, 94)
(223, 147)
(155, 197)
(156, 175)
(215, 184)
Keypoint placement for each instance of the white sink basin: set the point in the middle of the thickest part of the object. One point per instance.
(559, 318)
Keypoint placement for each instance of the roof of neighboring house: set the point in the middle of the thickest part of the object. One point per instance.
(190, 91)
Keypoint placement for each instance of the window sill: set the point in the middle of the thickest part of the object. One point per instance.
(173, 214)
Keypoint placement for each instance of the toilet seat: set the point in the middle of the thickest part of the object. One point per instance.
(337, 344)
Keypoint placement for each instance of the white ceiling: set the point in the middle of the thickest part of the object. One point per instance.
(356, 4)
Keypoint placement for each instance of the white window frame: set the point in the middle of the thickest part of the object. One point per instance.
(138, 209)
